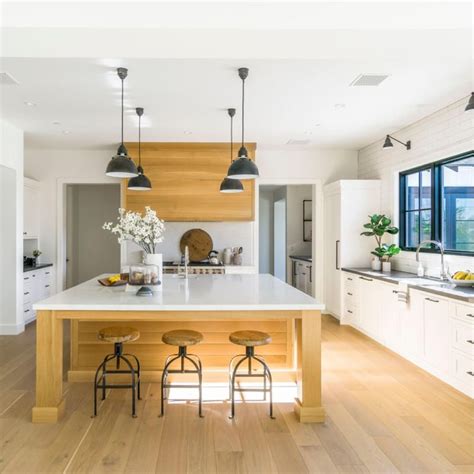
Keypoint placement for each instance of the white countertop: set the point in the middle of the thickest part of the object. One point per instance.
(198, 293)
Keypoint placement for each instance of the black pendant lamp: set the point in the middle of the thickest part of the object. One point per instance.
(231, 185)
(470, 104)
(243, 167)
(388, 143)
(140, 182)
(121, 165)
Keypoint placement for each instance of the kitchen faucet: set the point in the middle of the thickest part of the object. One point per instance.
(443, 274)
(185, 261)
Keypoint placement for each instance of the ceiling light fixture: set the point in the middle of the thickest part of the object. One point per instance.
(29, 104)
(231, 185)
(66, 132)
(470, 104)
(243, 167)
(121, 165)
(140, 182)
(388, 142)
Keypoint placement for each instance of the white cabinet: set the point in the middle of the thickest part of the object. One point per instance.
(370, 306)
(347, 204)
(436, 332)
(302, 276)
(37, 286)
(31, 221)
(391, 318)
(412, 327)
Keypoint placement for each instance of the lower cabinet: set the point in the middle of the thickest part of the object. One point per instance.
(302, 276)
(435, 333)
(37, 285)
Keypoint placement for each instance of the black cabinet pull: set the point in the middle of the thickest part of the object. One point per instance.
(365, 279)
(46, 273)
(471, 373)
(27, 293)
(350, 279)
(46, 286)
(337, 254)
(395, 291)
(349, 311)
(26, 311)
(26, 278)
(350, 294)
(432, 300)
(470, 341)
(470, 315)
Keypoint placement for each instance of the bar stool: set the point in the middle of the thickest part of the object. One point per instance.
(118, 336)
(249, 339)
(181, 338)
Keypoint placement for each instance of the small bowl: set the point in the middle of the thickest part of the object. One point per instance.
(464, 283)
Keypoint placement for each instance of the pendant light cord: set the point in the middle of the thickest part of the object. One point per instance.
(243, 109)
(231, 138)
(139, 140)
(122, 111)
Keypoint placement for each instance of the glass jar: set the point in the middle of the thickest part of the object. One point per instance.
(143, 275)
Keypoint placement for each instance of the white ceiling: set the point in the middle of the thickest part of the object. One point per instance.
(299, 71)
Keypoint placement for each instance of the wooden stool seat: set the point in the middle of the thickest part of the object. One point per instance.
(118, 334)
(182, 337)
(250, 338)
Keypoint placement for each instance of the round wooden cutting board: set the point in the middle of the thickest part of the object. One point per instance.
(199, 243)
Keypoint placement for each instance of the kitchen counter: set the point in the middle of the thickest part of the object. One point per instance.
(29, 268)
(437, 287)
(305, 258)
(214, 305)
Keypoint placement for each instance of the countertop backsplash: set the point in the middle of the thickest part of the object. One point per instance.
(223, 234)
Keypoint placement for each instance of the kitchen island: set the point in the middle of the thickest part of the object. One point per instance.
(213, 304)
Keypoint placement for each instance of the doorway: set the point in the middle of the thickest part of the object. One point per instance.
(90, 250)
(279, 239)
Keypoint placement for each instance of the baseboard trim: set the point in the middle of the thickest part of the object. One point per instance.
(11, 329)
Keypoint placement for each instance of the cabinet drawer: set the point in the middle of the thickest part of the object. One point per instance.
(462, 336)
(462, 367)
(350, 298)
(27, 294)
(465, 312)
(350, 315)
(47, 275)
(349, 282)
(28, 312)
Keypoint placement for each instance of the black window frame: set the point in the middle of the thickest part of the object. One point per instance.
(436, 203)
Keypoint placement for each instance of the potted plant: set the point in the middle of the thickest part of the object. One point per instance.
(378, 226)
(36, 255)
(389, 252)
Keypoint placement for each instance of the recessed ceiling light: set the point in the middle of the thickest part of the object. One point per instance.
(339, 106)
(29, 104)
(56, 123)
(317, 124)
(188, 132)
(66, 132)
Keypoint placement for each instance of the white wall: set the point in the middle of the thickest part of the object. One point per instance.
(11, 230)
(265, 231)
(443, 134)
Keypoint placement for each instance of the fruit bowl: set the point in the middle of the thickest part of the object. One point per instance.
(461, 282)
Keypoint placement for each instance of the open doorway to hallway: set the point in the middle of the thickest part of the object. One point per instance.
(285, 233)
(90, 251)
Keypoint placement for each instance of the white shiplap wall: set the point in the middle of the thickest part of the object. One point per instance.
(445, 133)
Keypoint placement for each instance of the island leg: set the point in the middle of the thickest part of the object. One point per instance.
(308, 405)
(49, 368)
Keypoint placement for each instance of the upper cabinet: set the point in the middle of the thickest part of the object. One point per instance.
(30, 209)
(186, 178)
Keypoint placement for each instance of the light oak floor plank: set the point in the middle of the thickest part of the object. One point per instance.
(384, 415)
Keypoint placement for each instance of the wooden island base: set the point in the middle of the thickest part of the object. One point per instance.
(295, 351)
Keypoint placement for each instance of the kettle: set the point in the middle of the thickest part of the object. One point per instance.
(213, 257)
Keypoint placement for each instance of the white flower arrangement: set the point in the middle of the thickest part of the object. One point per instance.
(146, 231)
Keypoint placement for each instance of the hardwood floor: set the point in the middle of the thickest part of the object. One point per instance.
(384, 415)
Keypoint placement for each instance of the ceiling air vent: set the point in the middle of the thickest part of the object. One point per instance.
(298, 142)
(369, 80)
(6, 79)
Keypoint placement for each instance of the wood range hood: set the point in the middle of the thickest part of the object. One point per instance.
(185, 181)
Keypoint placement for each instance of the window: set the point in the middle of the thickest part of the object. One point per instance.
(437, 203)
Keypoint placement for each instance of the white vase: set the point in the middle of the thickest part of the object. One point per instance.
(376, 265)
(386, 267)
(157, 260)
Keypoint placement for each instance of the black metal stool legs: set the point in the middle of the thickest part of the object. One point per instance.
(249, 356)
(181, 356)
(100, 379)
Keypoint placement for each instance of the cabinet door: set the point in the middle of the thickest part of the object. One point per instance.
(412, 326)
(370, 298)
(436, 333)
(390, 318)
(332, 272)
(30, 212)
(308, 280)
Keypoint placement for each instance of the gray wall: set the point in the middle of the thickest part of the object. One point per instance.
(90, 249)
